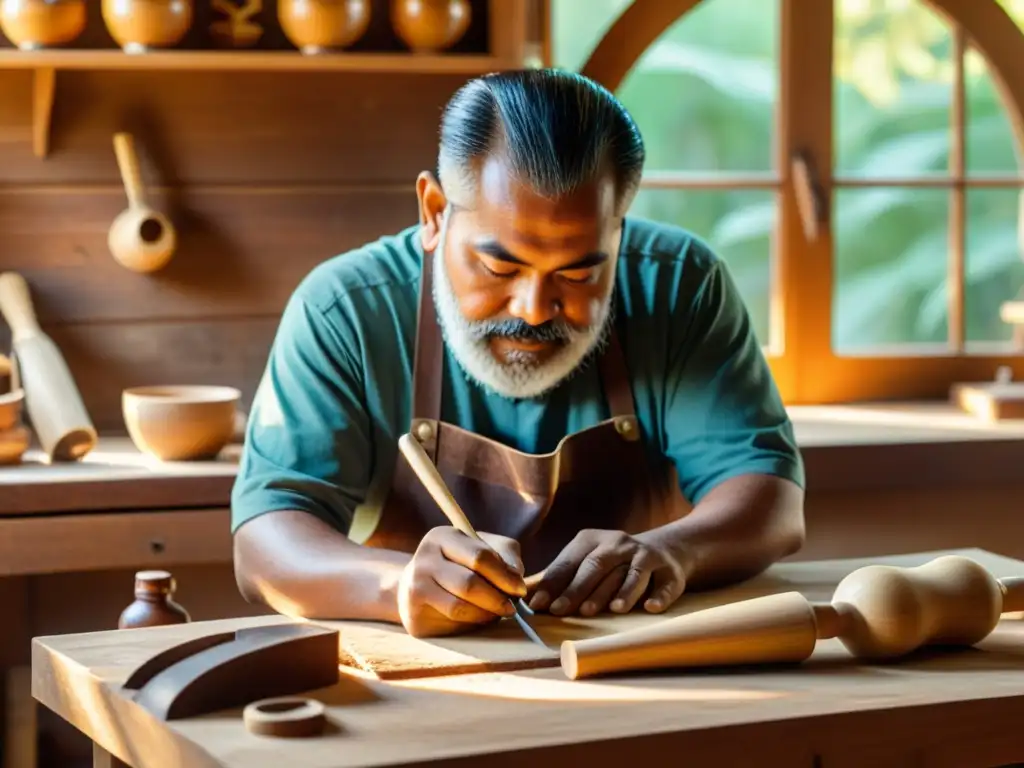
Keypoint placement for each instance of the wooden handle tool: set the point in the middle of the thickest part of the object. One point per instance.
(877, 612)
(140, 238)
(427, 473)
(52, 399)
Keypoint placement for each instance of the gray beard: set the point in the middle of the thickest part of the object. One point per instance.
(521, 376)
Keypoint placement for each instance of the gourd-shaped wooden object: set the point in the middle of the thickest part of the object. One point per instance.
(34, 24)
(140, 238)
(427, 26)
(878, 612)
(320, 26)
(154, 604)
(138, 25)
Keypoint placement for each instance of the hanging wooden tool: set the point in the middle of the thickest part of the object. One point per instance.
(140, 238)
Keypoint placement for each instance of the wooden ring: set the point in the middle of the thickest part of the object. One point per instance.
(285, 717)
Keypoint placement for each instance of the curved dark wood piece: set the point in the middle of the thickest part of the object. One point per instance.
(156, 664)
(256, 663)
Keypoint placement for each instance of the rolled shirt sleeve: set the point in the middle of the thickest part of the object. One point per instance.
(724, 415)
(308, 437)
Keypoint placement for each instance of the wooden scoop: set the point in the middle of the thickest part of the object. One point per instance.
(141, 238)
(52, 399)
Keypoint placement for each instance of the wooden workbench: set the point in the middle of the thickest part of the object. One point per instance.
(954, 708)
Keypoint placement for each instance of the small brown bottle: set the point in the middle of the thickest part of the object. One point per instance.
(154, 604)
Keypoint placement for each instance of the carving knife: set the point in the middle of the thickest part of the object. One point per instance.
(438, 490)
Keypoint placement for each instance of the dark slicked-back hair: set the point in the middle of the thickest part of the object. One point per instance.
(556, 129)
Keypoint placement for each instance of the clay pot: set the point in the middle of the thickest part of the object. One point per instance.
(180, 423)
(138, 25)
(430, 25)
(35, 24)
(320, 26)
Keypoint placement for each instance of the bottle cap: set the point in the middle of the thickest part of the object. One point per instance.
(154, 582)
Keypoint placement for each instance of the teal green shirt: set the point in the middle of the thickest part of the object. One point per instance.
(336, 393)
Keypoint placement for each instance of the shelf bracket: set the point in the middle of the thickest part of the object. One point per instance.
(43, 86)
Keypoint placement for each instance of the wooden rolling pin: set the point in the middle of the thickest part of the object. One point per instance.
(877, 612)
(140, 238)
(52, 399)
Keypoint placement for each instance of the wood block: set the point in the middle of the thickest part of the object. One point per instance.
(990, 400)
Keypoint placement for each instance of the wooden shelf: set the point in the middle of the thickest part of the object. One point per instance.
(256, 61)
(46, 64)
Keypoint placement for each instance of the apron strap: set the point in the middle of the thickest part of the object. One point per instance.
(615, 378)
(428, 361)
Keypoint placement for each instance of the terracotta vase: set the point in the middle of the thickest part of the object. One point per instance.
(139, 25)
(427, 26)
(320, 26)
(35, 24)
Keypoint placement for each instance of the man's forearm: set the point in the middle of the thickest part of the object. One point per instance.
(298, 565)
(739, 529)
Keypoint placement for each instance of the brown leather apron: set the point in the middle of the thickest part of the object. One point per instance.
(598, 477)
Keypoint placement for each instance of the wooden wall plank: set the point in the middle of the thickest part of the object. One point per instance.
(229, 127)
(106, 358)
(241, 251)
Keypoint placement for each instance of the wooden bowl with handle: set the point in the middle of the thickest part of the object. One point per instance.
(180, 422)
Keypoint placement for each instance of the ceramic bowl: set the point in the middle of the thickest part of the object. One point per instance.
(180, 422)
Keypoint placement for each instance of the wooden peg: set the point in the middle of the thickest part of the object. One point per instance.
(878, 612)
(810, 197)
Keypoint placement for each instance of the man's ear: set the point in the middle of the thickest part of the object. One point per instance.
(432, 202)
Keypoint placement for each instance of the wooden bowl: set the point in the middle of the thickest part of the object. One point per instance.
(35, 24)
(180, 422)
(321, 26)
(140, 25)
(427, 26)
(13, 444)
(10, 409)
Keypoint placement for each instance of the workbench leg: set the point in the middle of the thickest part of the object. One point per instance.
(103, 759)
(19, 728)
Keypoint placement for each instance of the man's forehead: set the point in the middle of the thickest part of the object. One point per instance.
(502, 196)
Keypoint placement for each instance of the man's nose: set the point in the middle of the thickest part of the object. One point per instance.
(534, 301)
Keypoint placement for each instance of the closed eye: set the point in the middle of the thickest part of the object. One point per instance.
(503, 273)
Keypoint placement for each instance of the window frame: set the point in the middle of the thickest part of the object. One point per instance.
(806, 367)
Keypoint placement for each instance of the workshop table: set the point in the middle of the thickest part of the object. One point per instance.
(937, 708)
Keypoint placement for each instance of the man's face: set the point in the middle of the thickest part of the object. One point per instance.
(530, 277)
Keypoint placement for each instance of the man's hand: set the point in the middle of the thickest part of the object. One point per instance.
(610, 569)
(454, 582)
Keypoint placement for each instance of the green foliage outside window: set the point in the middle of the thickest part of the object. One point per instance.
(705, 95)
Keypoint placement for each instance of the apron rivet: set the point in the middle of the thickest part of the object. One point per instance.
(424, 431)
(625, 426)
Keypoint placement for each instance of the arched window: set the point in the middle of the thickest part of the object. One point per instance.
(855, 163)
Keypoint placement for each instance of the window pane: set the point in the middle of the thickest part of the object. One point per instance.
(704, 93)
(892, 89)
(990, 143)
(738, 225)
(577, 26)
(994, 267)
(891, 254)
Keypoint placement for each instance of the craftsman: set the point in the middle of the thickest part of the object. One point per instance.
(589, 385)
